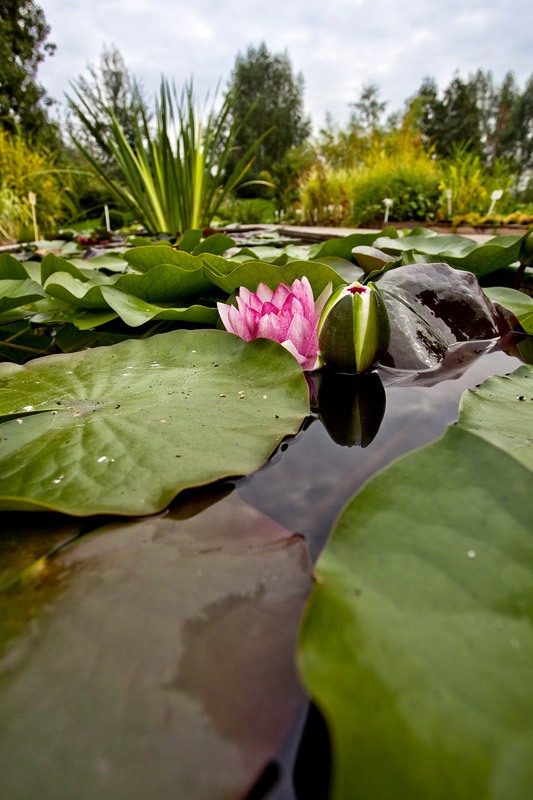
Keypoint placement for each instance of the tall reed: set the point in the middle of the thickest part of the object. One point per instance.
(172, 175)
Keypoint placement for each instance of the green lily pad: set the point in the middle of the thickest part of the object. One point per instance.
(460, 252)
(218, 243)
(53, 264)
(501, 411)
(417, 644)
(11, 268)
(252, 273)
(157, 660)
(123, 429)
(519, 303)
(145, 258)
(342, 246)
(135, 311)
(112, 261)
(83, 293)
(135, 298)
(165, 283)
(15, 293)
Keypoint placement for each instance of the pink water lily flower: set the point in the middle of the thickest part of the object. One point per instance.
(289, 315)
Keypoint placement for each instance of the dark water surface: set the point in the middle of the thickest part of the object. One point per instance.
(308, 481)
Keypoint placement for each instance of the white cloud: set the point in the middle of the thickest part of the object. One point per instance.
(339, 45)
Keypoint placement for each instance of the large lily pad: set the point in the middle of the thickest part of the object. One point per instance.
(342, 246)
(11, 268)
(460, 252)
(157, 661)
(418, 641)
(144, 259)
(16, 293)
(135, 311)
(501, 411)
(432, 307)
(252, 273)
(519, 303)
(123, 429)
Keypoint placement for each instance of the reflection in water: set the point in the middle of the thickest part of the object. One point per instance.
(305, 485)
(350, 407)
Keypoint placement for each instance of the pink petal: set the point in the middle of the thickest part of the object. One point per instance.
(303, 291)
(288, 345)
(242, 304)
(251, 319)
(244, 295)
(255, 302)
(272, 327)
(300, 332)
(238, 324)
(223, 310)
(307, 363)
(247, 299)
(270, 308)
(280, 295)
(293, 306)
(285, 318)
(264, 293)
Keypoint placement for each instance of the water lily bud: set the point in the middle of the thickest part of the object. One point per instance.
(354, 330)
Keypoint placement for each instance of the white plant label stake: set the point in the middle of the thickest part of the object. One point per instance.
(387, 202)
(496, 195)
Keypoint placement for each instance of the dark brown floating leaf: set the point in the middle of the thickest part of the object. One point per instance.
(432, 307)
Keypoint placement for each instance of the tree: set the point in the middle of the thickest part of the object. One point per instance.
(109, 90)
(23, 46)
(368, 110)
(523, 123)
(453, 120)
(493, 122)
(266, 94)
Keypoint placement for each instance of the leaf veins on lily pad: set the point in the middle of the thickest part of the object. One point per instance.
(123, 429)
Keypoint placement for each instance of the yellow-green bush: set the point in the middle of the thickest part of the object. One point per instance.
(396, 167)
(325, 195)
(25, 169)
(472, 185)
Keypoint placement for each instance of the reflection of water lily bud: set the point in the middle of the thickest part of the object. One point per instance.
(351, 407)
(354, 330)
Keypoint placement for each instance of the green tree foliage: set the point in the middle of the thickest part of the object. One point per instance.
(267, 94)
(489, 120)
(110, 92)
(368, 110)
(451, 119)
(522, 118)
(23, 46)
(347, 148)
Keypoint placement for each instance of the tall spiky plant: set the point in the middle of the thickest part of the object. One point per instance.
(172, 174)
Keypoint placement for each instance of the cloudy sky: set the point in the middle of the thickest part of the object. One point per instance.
(338, 45)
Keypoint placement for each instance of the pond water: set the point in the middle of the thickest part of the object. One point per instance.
(307, 482)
